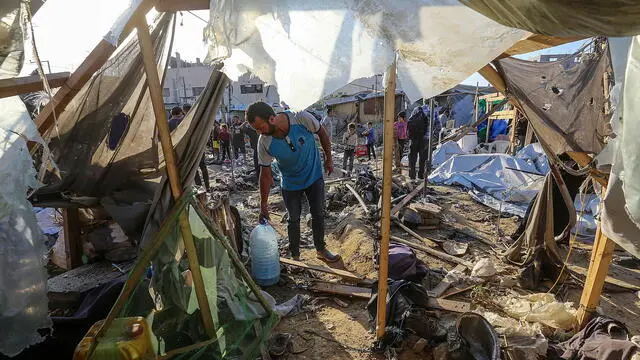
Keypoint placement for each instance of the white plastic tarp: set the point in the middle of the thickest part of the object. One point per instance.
(23, 278)
(620, 218)
(504, 182)
(310, 48)
(444, 152)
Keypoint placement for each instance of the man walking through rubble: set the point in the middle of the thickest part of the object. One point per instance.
(237, 138)
(289, 139)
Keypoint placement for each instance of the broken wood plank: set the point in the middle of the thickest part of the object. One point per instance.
(26, 84)
(474, 235)
(415, 234)
(608, 279)
(449, 305)
(407, 198)
(347, 275)
(72, 237)
(445, 284)
(436, 253)
(338, 289)
(360, 200)
(455, 291)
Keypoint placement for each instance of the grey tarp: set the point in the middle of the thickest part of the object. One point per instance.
(563, 100)
(123, 178)
(564, 18)
(190, 138)
(550, 219)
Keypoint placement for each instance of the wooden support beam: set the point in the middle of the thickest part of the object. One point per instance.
(407, 198)
(439, 254)
(181, 5)
(347, 275)
(94, 61)
(593, 285)
(528, 137)
(26, 84)
(173, 172)
(385, 221)
(72, 238)
(493, 77)
(415, 234)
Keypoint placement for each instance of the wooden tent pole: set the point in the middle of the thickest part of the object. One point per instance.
(385, 222)
(173, 173)
(603, 247)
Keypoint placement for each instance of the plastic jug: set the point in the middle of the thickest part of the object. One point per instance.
(265, 256)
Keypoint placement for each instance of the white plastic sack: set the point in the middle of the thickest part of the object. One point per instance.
(444, 152)
(23, 293)
(311, 48)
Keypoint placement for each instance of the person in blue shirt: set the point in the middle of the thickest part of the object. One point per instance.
(370, 133)
(288, 138)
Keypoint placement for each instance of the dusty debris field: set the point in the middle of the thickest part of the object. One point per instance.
(341, 329)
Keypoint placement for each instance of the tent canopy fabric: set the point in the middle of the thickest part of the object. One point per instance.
(311, 48)
(564, 18)
(563, 100)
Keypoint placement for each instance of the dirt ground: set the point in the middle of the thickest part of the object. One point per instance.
(331, 331)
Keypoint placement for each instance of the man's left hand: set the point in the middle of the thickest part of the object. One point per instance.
(328, 167)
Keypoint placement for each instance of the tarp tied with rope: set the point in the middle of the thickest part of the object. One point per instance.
(311, 48)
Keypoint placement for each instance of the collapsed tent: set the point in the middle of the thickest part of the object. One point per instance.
(503, 182)
(326, 44)
(563, 100)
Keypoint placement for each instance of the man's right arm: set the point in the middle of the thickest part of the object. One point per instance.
(266, 180)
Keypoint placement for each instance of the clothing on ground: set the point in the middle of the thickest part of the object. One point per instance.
(297, 155)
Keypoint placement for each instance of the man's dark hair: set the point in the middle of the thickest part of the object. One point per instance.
(329, 110)
(176, 110)
(236, 117)
(261, 109)
(352, 125)
(369, 123)
(186, 108)
(402, 114)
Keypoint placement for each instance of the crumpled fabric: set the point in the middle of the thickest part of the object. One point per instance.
(601, 339)
(563, 100)
(309, 49)
(564, 18)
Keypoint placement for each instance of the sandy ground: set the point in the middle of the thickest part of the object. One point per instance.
(345, 333)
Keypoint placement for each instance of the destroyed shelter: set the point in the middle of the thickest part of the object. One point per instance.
(199, 286)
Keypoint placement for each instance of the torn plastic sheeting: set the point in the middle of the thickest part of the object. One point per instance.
(493, 175)
(444, 152)
(327, 44)
(542, 308)
(23, 293)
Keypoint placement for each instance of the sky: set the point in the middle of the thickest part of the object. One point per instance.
(65, 44)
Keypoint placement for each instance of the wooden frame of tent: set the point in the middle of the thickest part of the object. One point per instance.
(603, 247)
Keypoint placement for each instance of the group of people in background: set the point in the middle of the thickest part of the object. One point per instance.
(231, 137)
(417, 130)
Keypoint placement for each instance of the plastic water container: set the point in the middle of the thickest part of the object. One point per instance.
(265, 256)
(468, 142)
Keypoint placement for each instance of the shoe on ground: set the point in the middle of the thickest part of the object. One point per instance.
(326, 255)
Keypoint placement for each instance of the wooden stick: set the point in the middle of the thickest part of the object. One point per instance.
(173, 172)
(385, 221)
(360, 200)
(436, 253)
(347, 275)
(458, 136)
(26, 84)
(407, 198)
(445, 284)
(415, 234)
(72, 239)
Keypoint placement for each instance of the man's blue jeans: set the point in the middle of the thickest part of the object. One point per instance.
(293, 202)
